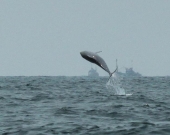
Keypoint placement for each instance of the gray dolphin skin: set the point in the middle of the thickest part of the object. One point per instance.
(95, 58)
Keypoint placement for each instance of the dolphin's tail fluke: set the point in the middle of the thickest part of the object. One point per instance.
(113, 72)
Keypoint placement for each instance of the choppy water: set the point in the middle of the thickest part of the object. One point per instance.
(83, 106)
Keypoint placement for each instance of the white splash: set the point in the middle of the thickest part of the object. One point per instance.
(114, 84)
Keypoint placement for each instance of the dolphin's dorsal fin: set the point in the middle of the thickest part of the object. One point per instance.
(98, 52)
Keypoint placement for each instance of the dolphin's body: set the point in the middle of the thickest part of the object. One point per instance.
(95, 58)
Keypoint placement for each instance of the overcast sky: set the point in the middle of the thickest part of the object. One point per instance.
(45, 37)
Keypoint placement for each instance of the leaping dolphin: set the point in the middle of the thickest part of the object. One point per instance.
(95, 58)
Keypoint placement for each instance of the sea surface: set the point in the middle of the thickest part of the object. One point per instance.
(60, 105)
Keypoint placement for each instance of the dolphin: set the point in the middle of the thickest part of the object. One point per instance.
(95, 58)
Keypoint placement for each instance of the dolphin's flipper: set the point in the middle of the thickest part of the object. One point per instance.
(98, 52)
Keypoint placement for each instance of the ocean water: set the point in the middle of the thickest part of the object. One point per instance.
(47, 105)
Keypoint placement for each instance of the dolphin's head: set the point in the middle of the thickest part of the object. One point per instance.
(83, 54)
(88, 56)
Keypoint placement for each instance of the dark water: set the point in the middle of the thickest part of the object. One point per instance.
(83, 106)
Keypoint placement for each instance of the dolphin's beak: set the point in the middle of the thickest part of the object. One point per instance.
(82, 53)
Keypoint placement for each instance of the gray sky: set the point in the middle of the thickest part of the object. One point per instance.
(45, 37)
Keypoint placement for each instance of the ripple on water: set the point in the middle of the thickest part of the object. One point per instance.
(79, 105)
